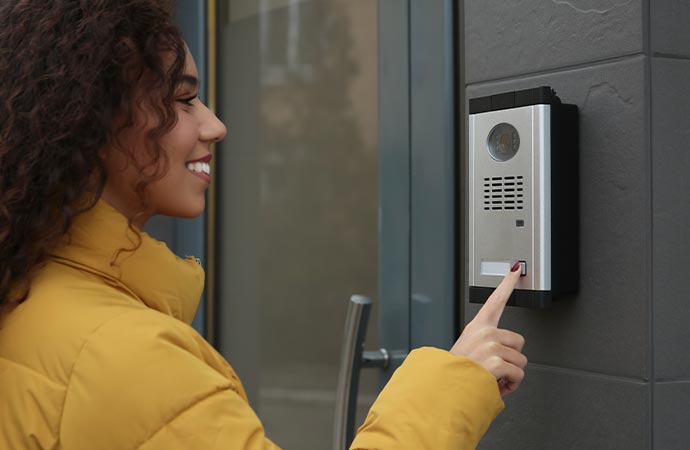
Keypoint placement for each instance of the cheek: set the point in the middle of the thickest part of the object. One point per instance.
(180, 142)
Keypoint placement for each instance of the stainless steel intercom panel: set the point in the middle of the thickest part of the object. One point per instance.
(523, 195)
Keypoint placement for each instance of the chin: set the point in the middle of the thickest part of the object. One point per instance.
(185, 212)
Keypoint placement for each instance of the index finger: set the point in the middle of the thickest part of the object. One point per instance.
(493, 308)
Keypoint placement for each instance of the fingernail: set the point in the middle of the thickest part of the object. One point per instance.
(515, 267)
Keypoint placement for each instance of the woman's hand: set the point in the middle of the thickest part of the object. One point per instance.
(499, 351)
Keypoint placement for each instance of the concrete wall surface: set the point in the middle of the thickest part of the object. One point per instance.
(610, 366)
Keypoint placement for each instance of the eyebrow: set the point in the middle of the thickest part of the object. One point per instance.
(189, 79)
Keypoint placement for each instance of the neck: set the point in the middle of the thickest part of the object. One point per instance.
(137, 216)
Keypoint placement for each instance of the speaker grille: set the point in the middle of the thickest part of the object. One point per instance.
(503, 193)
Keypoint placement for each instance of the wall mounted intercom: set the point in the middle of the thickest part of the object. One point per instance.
(523, 195)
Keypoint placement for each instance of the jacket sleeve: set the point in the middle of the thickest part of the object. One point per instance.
(147, 381)
(435, 400)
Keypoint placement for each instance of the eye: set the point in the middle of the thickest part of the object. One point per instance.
(188, 100)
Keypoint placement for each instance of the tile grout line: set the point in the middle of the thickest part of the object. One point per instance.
(662, 55)
(650, 249)
(590, 374)
(557, 70)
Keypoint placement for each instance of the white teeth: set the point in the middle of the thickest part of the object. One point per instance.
(200, 167)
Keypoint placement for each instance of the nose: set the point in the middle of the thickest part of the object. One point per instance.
(212, 129)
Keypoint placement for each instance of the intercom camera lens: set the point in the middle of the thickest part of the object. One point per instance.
(503, 142)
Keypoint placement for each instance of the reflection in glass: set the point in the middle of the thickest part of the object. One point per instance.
(297, 202)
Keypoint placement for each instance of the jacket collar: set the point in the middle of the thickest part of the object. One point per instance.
(152, 273)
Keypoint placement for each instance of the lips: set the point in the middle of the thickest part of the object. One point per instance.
(205, 159)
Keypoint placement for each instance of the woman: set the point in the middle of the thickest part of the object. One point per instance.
(101, 128)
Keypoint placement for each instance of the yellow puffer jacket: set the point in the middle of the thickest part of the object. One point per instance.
(101, 357)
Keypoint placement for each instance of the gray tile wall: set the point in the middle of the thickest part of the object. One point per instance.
(564, 409)
(610, 366)
(670, 118)
(671, 189)
(670, 30)
(671, 431)
(508, 38)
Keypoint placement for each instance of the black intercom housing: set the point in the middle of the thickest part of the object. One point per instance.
(523, 195)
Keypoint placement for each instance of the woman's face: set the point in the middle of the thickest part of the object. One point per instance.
(181, 191)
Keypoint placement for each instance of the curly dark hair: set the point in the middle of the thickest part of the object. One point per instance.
(68, 68)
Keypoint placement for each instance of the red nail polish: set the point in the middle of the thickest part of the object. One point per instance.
(515, 267)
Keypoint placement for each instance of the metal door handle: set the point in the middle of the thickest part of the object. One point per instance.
(353, 358)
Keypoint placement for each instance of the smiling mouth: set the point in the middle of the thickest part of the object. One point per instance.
(200, 167)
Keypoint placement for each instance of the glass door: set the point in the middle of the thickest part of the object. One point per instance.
(337, 178)
(297, 202)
